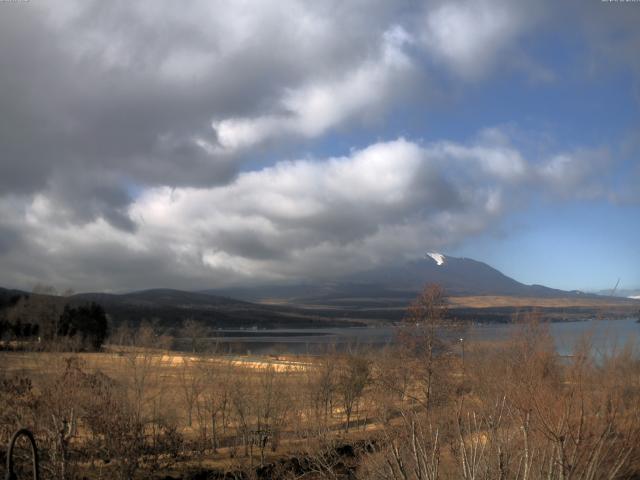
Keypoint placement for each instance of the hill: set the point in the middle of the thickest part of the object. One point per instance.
(171, 307)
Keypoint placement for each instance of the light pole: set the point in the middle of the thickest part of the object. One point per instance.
(462, 346)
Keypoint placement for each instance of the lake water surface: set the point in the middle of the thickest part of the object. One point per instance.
(605, 335)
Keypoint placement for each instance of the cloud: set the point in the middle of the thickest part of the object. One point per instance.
(312, 109)
(131, 90)
(611, 36)
(578, 174)
(469, 37)
(295, 220)
(143, 141)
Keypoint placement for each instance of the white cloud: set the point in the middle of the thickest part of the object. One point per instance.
(497, 160)
(310, 218)
(578, 173)
(315, 107)
(469, 36)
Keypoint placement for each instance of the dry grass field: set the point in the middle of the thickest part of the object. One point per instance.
(485, 308)
(257, 403)
(417, 410)
(165, 384)
(488, 301)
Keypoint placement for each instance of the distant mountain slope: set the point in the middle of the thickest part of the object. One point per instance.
(9, 297)
(160, 297)
(382, 294)
(171, 307)
(459, 276)
(398, 283)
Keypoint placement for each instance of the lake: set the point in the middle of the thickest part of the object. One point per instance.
(605, 335)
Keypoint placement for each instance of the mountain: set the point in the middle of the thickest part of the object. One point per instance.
(171, 307)
(9, 297)
(159, 298)
(398, 283)
(477, 292)
(458, 276)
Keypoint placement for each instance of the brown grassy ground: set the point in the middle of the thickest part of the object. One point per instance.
(501, 404)
(164, 374)
(488, 301)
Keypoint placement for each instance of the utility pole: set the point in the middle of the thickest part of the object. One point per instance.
(462, 345)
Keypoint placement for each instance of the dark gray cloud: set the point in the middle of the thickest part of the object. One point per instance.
(132, 89)
(9, 239)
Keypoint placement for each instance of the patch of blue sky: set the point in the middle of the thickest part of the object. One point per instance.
(576, 245)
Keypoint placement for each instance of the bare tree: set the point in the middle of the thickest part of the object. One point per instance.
(60, 408)
(272, 407)
(321, 386)
(353, 377)
(43, 310)
(426, 316)
(195, 332)
(123, 335)
(409, 451)
(215, 399)
(115, 425)
(241, 397)
(190, 385)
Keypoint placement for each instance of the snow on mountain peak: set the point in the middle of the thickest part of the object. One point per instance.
(438, 257)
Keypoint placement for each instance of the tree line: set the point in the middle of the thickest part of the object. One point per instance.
(52, 322)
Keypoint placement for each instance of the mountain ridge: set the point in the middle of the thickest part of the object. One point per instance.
(171, 307)
(458, 276)
(477, 291)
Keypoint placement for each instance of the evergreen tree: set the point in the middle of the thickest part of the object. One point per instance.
(88, 321)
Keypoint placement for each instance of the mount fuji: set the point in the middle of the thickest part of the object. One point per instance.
(401, 282)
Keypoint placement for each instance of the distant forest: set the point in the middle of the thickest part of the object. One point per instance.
(51, 318)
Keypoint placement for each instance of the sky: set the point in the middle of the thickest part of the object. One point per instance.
(207, 144)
